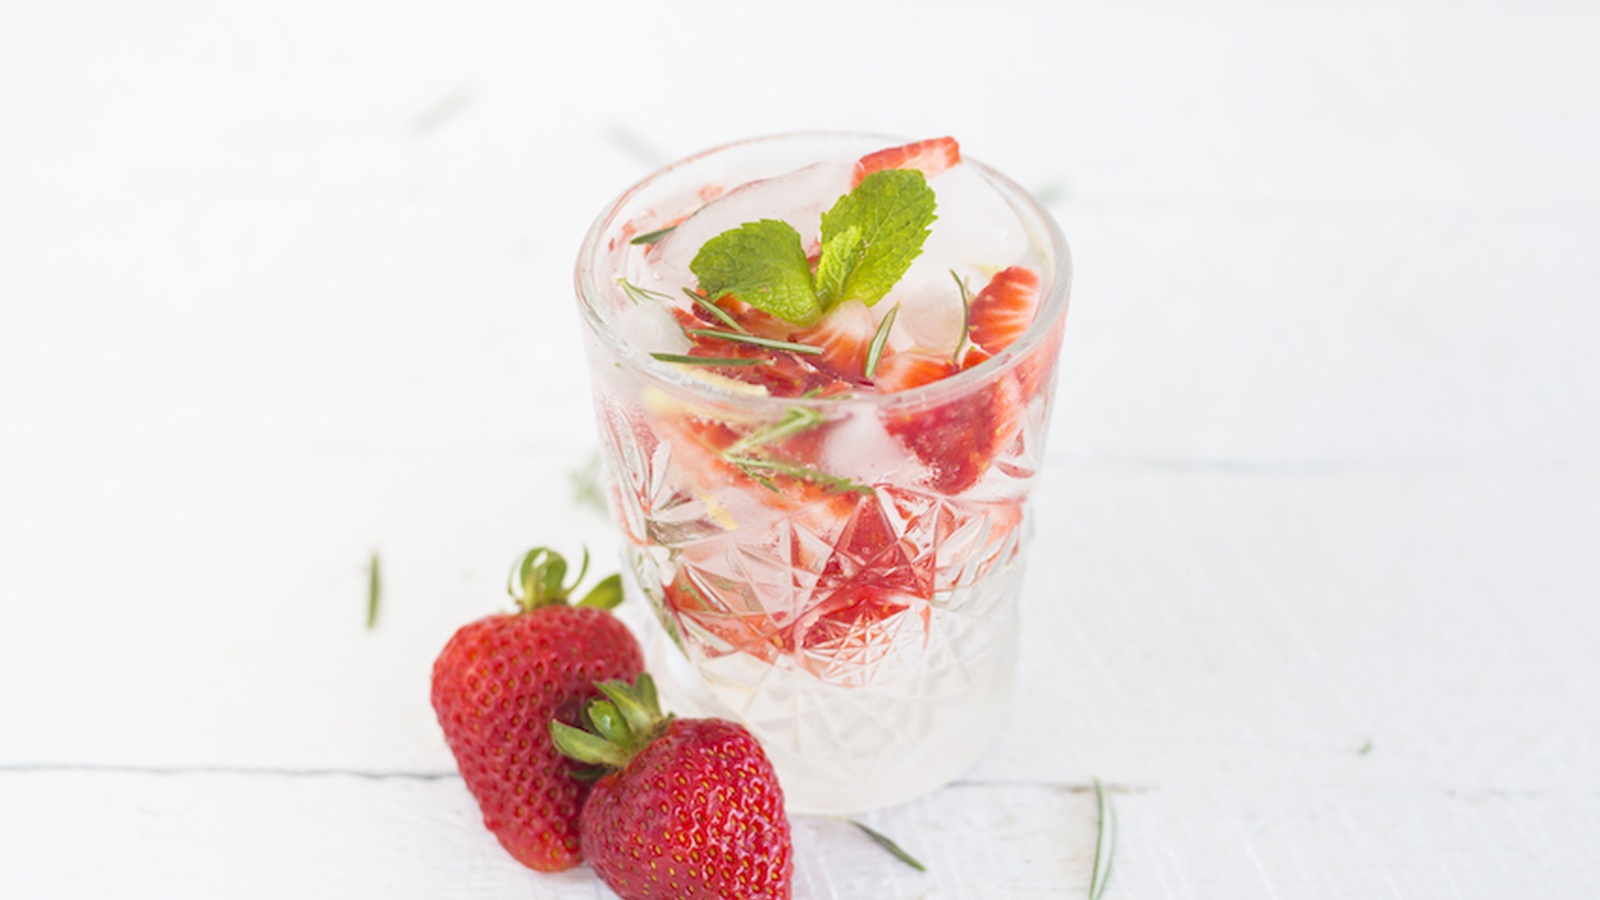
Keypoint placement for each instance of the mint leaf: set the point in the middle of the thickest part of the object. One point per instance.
(763, 264)
(840, 257)
(890, 211)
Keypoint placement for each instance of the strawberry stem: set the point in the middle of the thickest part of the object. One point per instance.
(538, 580)
(620, 724)
(607, 721)
(586, 747)
(605, 595)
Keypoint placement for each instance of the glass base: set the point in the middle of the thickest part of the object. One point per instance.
(843, 749)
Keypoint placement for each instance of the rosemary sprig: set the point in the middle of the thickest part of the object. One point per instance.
(794, 421)
(721, 314)
(1105, 842)
(713, 361)
(650, 237)
(966, 315)
(638, 294)
(879, 339)
(753, 340)
(586, 490)
(755, 466)
(883, 841)
(374, 590)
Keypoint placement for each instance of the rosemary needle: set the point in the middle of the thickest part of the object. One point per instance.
(883, 841)
(374, 590)
(1105, 844)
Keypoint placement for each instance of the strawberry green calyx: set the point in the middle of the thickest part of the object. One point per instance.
(618, 726)
(538, 581)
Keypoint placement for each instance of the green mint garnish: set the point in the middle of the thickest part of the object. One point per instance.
(869, 239)
(841, 256)
(763, 264)
(878, 229)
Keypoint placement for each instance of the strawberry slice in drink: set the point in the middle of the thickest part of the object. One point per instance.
(930, 157)
(911, 368)
(779, 371)
(845, 333)
(1004, 309)
(958, 438)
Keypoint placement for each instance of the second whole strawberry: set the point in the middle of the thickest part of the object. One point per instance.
(497, 683)
(689, 809)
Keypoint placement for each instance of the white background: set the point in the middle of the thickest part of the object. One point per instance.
(1314, 588)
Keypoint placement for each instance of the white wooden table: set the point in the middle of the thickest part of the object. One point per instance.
(1315, 587)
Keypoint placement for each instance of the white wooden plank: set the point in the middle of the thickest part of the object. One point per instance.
(1240, 626)
(1182, 624)
(240, 834)
(178, 835)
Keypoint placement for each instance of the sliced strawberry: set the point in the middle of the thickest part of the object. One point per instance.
(844, 334)
(755, 321)
(930, 157)
(1004, 309)
(1034, 370)
(909, 369)
(959, 438)
(780, 371)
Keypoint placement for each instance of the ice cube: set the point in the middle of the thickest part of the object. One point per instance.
(799, 198)
(651, 326)
(860, 449)
(930, 318)
(977, 233)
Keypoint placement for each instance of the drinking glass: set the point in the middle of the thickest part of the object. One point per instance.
(811, 572)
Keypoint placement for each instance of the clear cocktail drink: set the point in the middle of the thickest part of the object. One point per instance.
(821, 410)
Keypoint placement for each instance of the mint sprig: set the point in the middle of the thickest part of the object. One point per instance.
(869, 239)
(763, 264)
(879, 229)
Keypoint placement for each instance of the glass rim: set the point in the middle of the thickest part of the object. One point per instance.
(1055, 295)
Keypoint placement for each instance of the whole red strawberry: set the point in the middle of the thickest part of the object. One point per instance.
(692, 810)
(502, 679)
